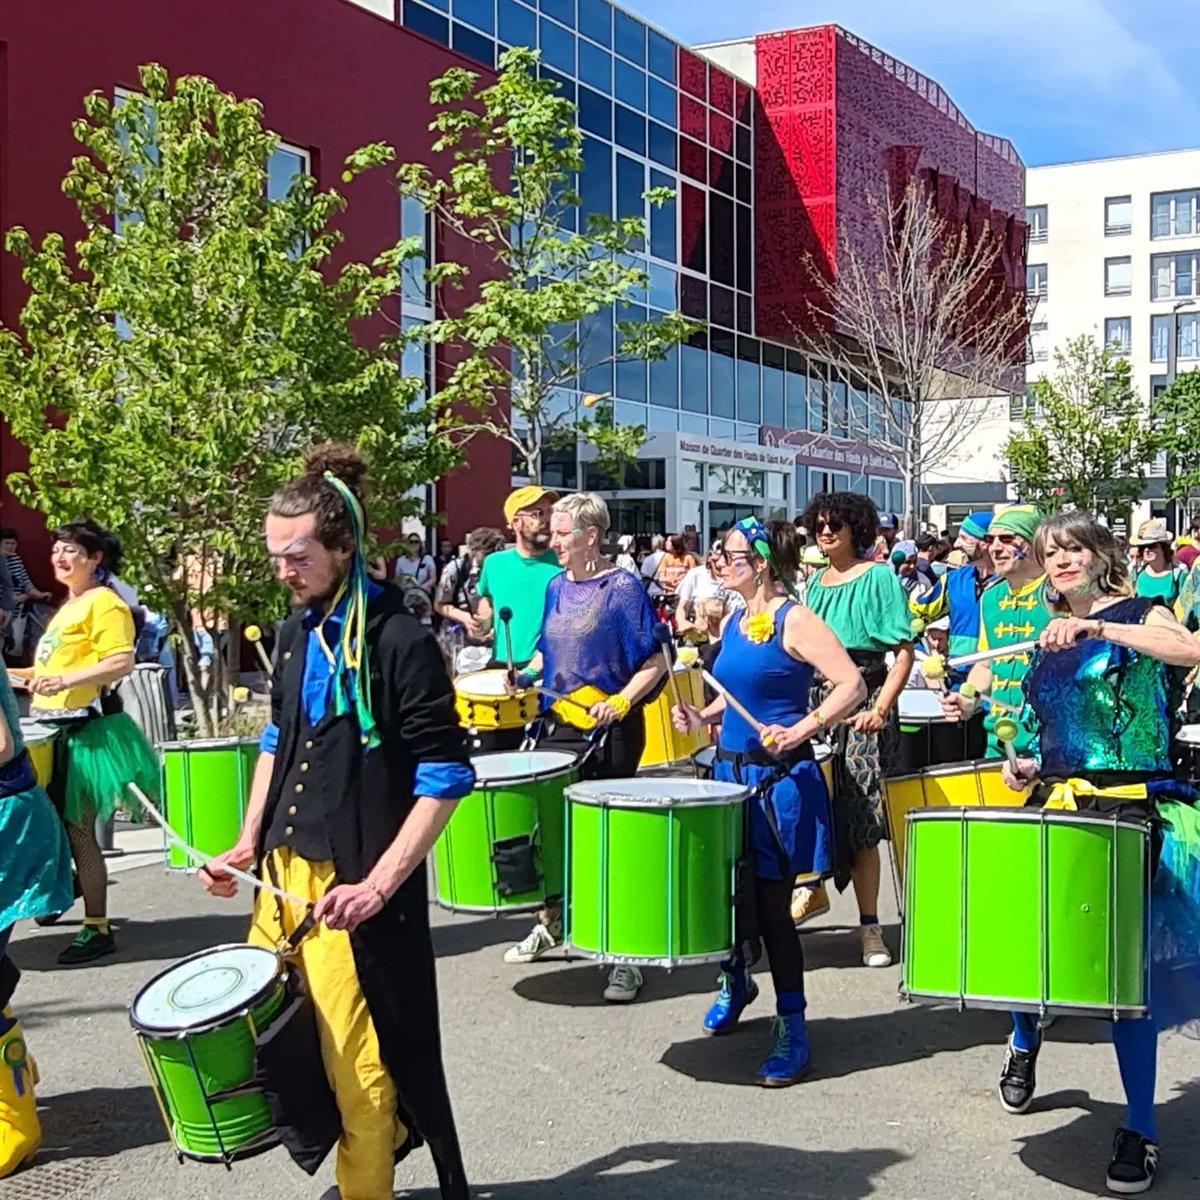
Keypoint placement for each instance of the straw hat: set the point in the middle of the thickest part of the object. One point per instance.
(1152, 533)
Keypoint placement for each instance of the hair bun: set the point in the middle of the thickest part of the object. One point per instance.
(340, 459)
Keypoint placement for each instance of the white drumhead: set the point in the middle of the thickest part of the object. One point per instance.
(655, 793)
(204, 988)
(920, 706)
(1189, 735)
(520, 764)
(35, 733)
(481, 683)
(706, 756)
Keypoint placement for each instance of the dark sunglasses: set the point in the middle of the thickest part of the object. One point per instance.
(1005, 539)
(829, 523)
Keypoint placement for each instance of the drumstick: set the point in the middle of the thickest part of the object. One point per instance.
(662, 635)
(207, 859)
(505, 615)
(736, 705)
(967, 660)
(253, 635)
(1006, 730)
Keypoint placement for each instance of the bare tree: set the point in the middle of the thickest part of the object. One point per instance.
(919, 320)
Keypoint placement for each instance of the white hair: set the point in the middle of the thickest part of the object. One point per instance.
(587, 510)
(657, 542)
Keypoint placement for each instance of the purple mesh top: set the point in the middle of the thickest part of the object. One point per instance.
(595, 631)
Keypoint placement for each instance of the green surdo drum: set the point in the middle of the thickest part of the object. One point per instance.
(1030, 910)
(651, 869)
(196, 1024)
(206, 786)
(503, 849)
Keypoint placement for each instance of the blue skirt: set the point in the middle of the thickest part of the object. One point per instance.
(35, 859)
(1174, 974)
(803, 817)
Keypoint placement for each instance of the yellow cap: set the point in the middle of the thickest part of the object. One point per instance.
(523, 497)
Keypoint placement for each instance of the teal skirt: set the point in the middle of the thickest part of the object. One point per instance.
(35, 859)
(101, 757)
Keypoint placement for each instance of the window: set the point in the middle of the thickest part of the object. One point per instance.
(1038, 227)
(1187, 334)
(1174, 275)
(1160, 338)
(1039, 343)
(285, 163)
(1118, 277)
(1117, 334)
(415, 222)
(1174, 214)
(1037, 278)
(1022, 405)
(1118, 216)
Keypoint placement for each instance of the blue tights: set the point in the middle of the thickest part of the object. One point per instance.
(1136, 1043)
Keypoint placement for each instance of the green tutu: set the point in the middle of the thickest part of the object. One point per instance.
(105, 755)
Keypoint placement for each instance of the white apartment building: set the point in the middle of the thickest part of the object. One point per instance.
(1114, 251)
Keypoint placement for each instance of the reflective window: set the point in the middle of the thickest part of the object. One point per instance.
(478, 46)
(631, 130)
(721, 366)
(664, 380)
(663, 226)
(595, 67)
(661, 102)
(661, 55)
(595, 20)
(693, 373)
(595, 181)
(596, 345)
(629, 37)
(748, 405)
(630, 85)
(595, 113)
(285, 163)
(631, 184)
(558, 46)
(772, 385)
(720, 239)
(662, 287)
(427, 22)
(517, 24)
(479, 13)
(560, 10)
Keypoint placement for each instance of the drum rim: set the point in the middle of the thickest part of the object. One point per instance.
(624, 800)
(977, 765)
(489, 697)
(1188, 741)
(221, 743)
(1051, 1008)
(534, 777)
(904, 718)
(166, 1035)
(1028, 815)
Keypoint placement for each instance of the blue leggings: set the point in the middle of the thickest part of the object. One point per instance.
(1136, 1043)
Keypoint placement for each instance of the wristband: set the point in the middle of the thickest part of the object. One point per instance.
(819, 717)
(881, 713)
(620, 704)
(376, 889)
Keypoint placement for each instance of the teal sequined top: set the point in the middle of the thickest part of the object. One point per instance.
(1099, 708)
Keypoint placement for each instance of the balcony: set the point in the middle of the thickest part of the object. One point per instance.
(1122, 229)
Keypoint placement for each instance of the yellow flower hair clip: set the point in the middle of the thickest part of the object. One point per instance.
(761, 627)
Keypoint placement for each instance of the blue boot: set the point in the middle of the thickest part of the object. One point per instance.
(737, 990)
(789, 1060)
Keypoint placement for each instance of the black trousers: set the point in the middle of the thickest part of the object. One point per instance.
(617, 758)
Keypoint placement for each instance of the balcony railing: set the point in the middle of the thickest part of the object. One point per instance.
(1122, 229)
(1038, 237)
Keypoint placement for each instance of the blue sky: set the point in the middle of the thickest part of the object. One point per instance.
(1063, 79)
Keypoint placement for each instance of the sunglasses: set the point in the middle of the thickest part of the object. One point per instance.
(730, 556)
(1005, 539)
(828, 523)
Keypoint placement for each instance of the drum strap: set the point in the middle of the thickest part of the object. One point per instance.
(293, 940)
(779, 770)
(1064, 794)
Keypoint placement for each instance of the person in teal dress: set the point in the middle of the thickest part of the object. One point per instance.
(865, 605)
(1097, 695)
(1159, 576)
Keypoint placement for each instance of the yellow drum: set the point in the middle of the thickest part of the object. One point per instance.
(39, 741)
(973, 784)
(482, 702)
(664, 743)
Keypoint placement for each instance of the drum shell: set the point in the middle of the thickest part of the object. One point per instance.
(664, 743)
(977, 783)
(206, 787)
(465, 875)
(493, 710)
(652, 885)
(1027, 911)
(39, 743)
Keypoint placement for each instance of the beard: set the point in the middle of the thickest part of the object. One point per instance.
(324, 598)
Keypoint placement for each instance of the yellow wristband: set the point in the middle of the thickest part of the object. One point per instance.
(819, 717)
(621, 704)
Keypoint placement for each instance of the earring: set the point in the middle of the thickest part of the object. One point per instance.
(757, 578)
(590, 567)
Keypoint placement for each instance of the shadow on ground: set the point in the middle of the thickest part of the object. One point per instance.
(703, 1171)
(98, 1123)
(458, 934)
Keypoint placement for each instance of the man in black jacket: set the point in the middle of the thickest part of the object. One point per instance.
(359, 771)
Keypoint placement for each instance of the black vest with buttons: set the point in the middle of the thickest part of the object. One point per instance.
(308, 792)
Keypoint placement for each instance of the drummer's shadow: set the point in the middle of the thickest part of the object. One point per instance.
(98, 1123)
(703, 1171)
(1075, 1153)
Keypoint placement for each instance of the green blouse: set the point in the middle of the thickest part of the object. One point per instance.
(868, 612)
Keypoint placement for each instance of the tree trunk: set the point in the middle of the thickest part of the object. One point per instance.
(199, 695)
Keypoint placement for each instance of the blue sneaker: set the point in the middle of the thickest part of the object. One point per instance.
(789, 1060)
(737, 990)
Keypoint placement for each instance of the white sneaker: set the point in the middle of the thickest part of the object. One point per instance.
(536, 943)
(623, 984)
(874, 950)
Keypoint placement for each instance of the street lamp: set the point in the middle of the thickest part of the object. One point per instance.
(1172, 368)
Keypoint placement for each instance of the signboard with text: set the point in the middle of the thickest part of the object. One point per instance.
(833, 454)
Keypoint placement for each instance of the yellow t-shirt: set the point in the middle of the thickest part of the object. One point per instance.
(85, 631)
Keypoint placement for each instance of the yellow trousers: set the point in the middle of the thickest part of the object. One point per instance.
(366, 1096)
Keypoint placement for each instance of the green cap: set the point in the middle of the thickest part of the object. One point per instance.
(1021, 519)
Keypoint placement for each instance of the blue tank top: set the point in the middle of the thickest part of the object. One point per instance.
(764, 677)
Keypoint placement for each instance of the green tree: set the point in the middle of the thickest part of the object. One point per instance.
(168, 373)
(1175, 415)
(1087, 442)
(548, 278)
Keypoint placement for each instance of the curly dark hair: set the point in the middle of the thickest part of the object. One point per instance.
(93, 539)
(311, 492)
(851, 510)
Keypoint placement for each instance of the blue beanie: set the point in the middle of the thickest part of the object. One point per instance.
(976, 524)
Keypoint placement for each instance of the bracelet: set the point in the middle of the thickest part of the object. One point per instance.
(1099, 629)
(376, 889)
(620, 704)
(819, 717)
(881, 713)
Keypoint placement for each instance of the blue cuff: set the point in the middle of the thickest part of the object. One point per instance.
(443, 780)
(268, 742)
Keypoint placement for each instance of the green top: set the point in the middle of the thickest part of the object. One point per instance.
(1006, 617)
(1164, 587)
(510, 580)
(868, 612)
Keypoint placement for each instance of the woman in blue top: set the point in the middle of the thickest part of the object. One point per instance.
(766, 662)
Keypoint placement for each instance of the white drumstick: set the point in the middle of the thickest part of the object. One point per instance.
(967, 660)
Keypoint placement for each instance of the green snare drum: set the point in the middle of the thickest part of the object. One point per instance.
(206, 785)
(1032, 910)
(503, 848)
(196, 1025)
(651, 869)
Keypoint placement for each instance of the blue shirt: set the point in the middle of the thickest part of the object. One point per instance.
(441, 780)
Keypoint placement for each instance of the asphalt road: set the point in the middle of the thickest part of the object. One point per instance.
(559, 1096)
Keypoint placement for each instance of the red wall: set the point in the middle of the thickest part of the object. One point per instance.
(837, 124)
(331, 77)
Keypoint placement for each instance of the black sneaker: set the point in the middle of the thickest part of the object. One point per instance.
(1133, 1163)
(1018, 1078)
(89, 944)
